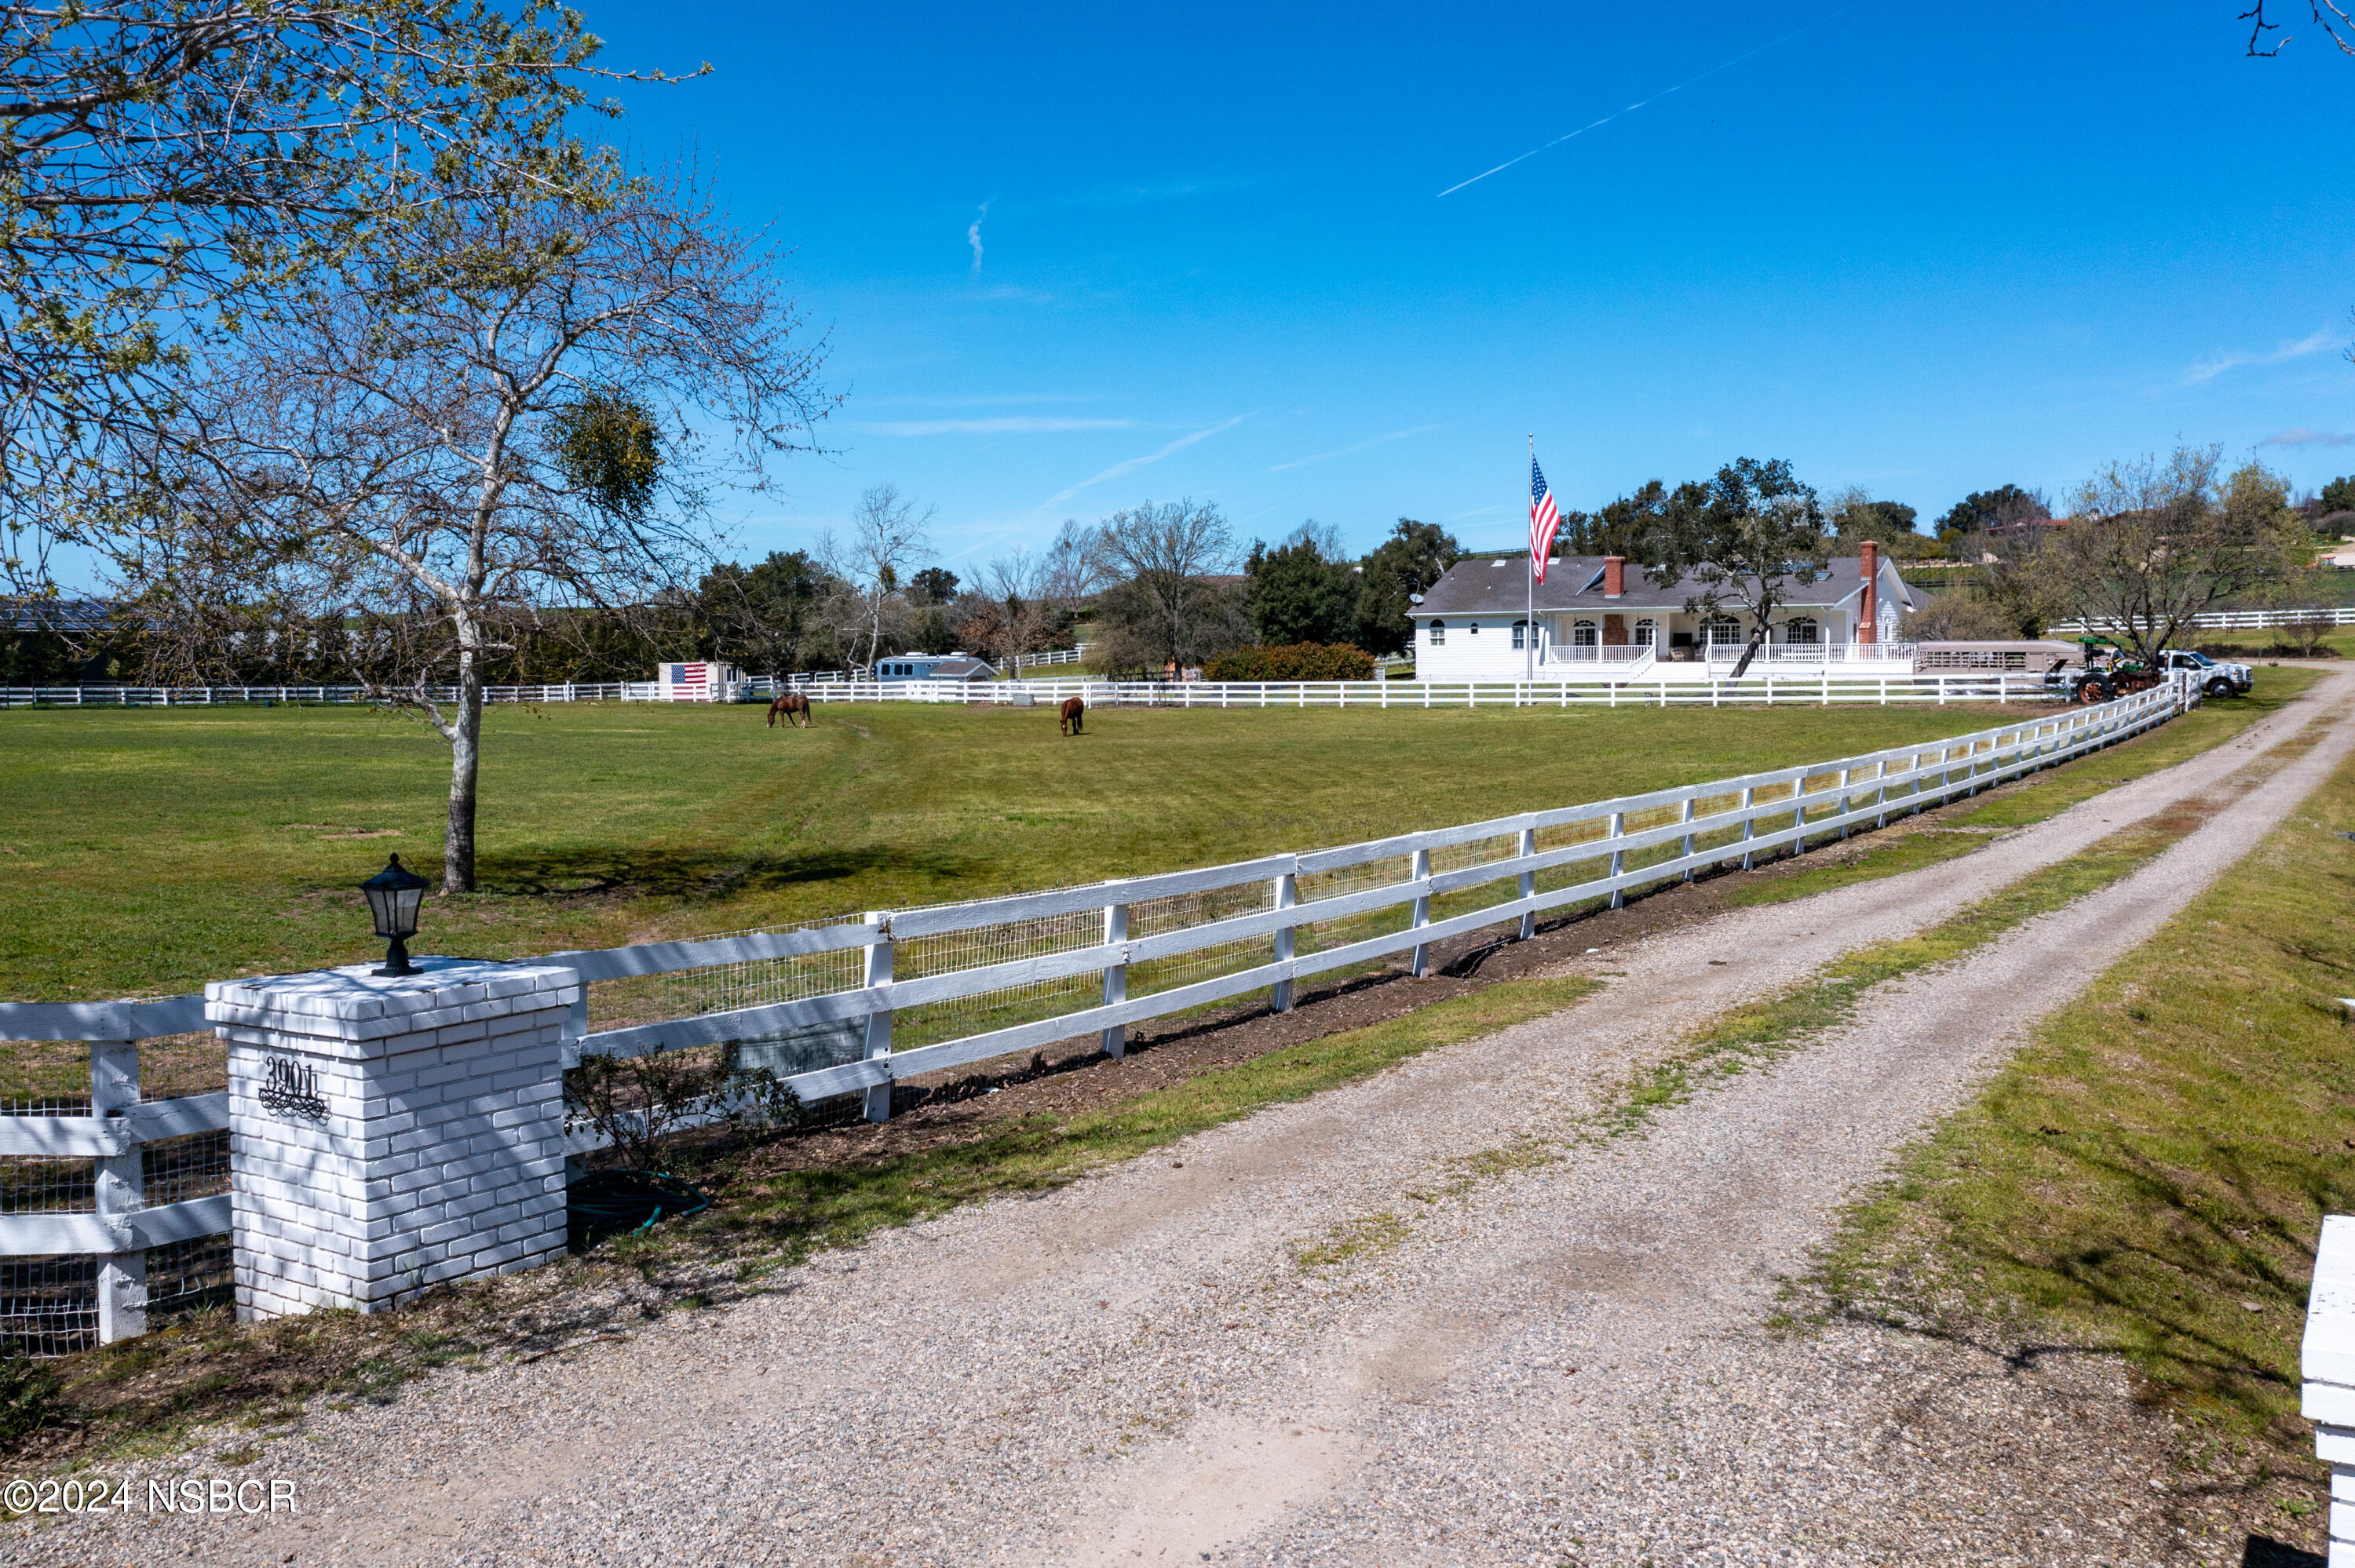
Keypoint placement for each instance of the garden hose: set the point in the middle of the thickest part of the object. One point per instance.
(607, 1203)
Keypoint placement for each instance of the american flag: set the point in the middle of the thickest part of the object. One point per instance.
(1544, 519)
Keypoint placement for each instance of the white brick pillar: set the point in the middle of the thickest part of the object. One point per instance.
(386, 1135)
(2327, 1362)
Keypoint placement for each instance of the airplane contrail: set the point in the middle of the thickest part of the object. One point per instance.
(1639, 103)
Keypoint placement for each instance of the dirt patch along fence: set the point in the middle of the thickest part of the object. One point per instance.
(104, 1106)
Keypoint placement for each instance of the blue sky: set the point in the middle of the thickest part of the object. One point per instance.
(1069, 257)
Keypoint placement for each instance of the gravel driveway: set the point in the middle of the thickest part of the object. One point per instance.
(1501, 1361)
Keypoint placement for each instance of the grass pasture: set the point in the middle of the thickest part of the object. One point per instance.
(145, 851)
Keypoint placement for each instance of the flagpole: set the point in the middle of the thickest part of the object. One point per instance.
(1530, 579)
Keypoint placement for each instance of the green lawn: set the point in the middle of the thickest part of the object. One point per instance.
(2149, 1176)
(148, 850)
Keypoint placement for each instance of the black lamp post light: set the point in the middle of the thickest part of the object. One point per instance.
(393, 895)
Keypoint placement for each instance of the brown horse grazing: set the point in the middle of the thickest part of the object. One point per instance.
(792, 705)
(1069, 715)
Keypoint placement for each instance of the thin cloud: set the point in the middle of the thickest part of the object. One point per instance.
(987, 400)
(1347, 452)
(972, 238)
(1572, 136)
(2302, 437)
(1129, 465)
(1005, 425)
(2215, 365)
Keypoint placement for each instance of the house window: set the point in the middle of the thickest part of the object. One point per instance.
(1582, 635)
(1801, 628)
(1520, 634)
(1473, 629)
(1439, 634)
(1648, 632)
(1724, 629)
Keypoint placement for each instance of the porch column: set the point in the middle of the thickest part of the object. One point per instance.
(1868, 611)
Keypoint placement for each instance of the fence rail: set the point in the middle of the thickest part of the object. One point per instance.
(1610, 685)
(887, 995)
(2227, 619)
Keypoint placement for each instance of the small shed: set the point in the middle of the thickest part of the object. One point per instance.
(697, 681)
(934, 667)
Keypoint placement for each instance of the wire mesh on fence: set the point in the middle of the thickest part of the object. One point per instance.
(173, 1067)
(726, 988)
(979, 947)
(189, 1276)
(49, 1306)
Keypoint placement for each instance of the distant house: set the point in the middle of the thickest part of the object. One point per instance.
(934, 667)
(1594, 611)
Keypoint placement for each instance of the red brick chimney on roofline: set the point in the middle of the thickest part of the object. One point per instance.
(1614, 575)
(1868, 627)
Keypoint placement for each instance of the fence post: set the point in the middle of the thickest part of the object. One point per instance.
(1417, 870)
(1799, 815)
(121, 1193)
(1749, 823)
(878, 972)
(1288, 894)
(1528, 846)
(1845, 800)
(1692, 803)
(1115, 977)
(1618, 858)
(1880, 795)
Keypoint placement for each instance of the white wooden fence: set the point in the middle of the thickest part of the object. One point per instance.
(1811, 684)
(2227, 620)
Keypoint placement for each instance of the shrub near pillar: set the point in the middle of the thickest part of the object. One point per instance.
(390, 1134)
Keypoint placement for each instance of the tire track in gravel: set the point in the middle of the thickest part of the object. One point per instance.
(1136, 1369)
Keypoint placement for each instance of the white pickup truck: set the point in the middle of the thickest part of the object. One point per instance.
(2216, 678)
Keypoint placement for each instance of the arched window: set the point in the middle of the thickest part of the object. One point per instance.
(1439, 634)
(1473, 629)
(1648, 632)
(1520, 635)
(1582, 635)
(1802, 629)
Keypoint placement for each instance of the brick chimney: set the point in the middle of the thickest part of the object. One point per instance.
(1614, 575)
(1867, 629)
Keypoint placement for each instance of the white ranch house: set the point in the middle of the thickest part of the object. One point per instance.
(1599, 617)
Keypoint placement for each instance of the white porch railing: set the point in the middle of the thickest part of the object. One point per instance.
(1617, 661)
(1816, 653)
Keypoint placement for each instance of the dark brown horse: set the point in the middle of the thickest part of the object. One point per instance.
(1069, 715)
(792, 704)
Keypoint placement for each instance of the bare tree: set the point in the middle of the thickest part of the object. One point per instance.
(513, 406)
(887, 536)
(1167, 552)
(2337, 26)
(1073, 567)
(1016, 615)
(2153, 543)
(170, 163)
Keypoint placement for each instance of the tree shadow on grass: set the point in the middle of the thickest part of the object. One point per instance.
(656, 871)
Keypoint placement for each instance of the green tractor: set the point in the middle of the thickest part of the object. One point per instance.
(2112, 669)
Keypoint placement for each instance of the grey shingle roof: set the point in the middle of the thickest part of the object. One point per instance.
(1575, 582)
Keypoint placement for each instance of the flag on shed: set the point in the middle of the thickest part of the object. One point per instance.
(1544, 520)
